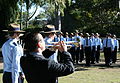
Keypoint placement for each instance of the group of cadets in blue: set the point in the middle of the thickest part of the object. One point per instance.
(89, 47)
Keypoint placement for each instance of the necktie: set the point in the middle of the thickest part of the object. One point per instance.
(106, 42)
(87, 41)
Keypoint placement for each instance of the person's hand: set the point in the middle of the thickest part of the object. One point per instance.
(22, 76)
(61, 46)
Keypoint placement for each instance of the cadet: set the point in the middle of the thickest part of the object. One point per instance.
(93, 48)
(98, 47)
(82, 49)
(116, 47)
(108, 47)
(12, 51)
(77, 48)
(50, 32)
(87, 47)
(72, 49)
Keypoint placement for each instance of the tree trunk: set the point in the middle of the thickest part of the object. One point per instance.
(57, 18)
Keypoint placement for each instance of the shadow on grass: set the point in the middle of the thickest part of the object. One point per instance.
(82, 67)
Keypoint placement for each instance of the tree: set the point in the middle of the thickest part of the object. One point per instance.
(59, 6)
(92, 16)
(29, 4)
(8, 13)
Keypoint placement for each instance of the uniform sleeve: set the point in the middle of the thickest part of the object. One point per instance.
(117, 44)
(101, 44)
(112, 44)
(15, 65)
(61, 69)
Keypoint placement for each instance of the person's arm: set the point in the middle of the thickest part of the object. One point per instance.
(61, 69)
(47, 53)
(15, 73)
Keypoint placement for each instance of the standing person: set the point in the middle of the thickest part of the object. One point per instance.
(72, 49)
(93, 48)
(78, 47)
(82, 49)
(12, 52)
(39, 69)
(98, 47)
(60, 37)
(116, 47)
(108, 47)
(50, 32)
(67, 38)
(87, 47)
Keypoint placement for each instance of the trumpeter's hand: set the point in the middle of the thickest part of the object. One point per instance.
(61, 46)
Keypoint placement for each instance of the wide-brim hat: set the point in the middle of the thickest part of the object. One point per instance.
(76, 31)
(50, 29)
(71, 33)
(87, 34)
(81, 34)
(66, 33)
(13, 27)
(97, 34)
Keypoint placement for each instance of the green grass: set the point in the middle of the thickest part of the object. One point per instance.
(97, 73)
(93, 75)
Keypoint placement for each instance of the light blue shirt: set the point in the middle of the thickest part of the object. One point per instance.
(76, 37)
(67, 39)
(82, 40)
(93, 41)
(56, 39)
(116, 43)
(108, 42)
(12, 53)
(98, 42)
(87, 40)
(54, 56)
(72, 39)
(61, 38)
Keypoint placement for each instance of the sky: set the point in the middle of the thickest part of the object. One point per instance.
(39, 10)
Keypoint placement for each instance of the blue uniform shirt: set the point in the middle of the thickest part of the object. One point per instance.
(116, 43)
(54, 56)
(98, 42)
(87, 42)
(108, 42)
(12, 53)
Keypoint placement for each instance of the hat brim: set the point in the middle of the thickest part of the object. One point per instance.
(13, 31)
(52, 31)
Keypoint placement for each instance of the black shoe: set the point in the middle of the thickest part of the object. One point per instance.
(87, 65)
(97, 61)
(92, 63)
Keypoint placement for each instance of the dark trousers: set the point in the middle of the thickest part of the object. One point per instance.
(77, 54)
(93, 54)
(114, 55)
(72, 52)
(107, 55)
(88, 55)
(7, 78)
(97, 54)
(81, 53)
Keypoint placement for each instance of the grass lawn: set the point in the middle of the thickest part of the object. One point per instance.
(96, 73)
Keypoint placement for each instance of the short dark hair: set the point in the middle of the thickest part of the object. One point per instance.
(31, 40)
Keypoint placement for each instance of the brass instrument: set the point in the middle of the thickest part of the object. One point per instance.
(68, 44)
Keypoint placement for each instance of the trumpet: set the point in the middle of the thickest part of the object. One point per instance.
(66, 42)
(69, 44)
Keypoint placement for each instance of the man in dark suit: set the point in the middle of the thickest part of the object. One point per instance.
(37, 68)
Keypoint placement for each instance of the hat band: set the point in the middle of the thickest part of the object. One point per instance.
(15, 29)
(50, 29)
